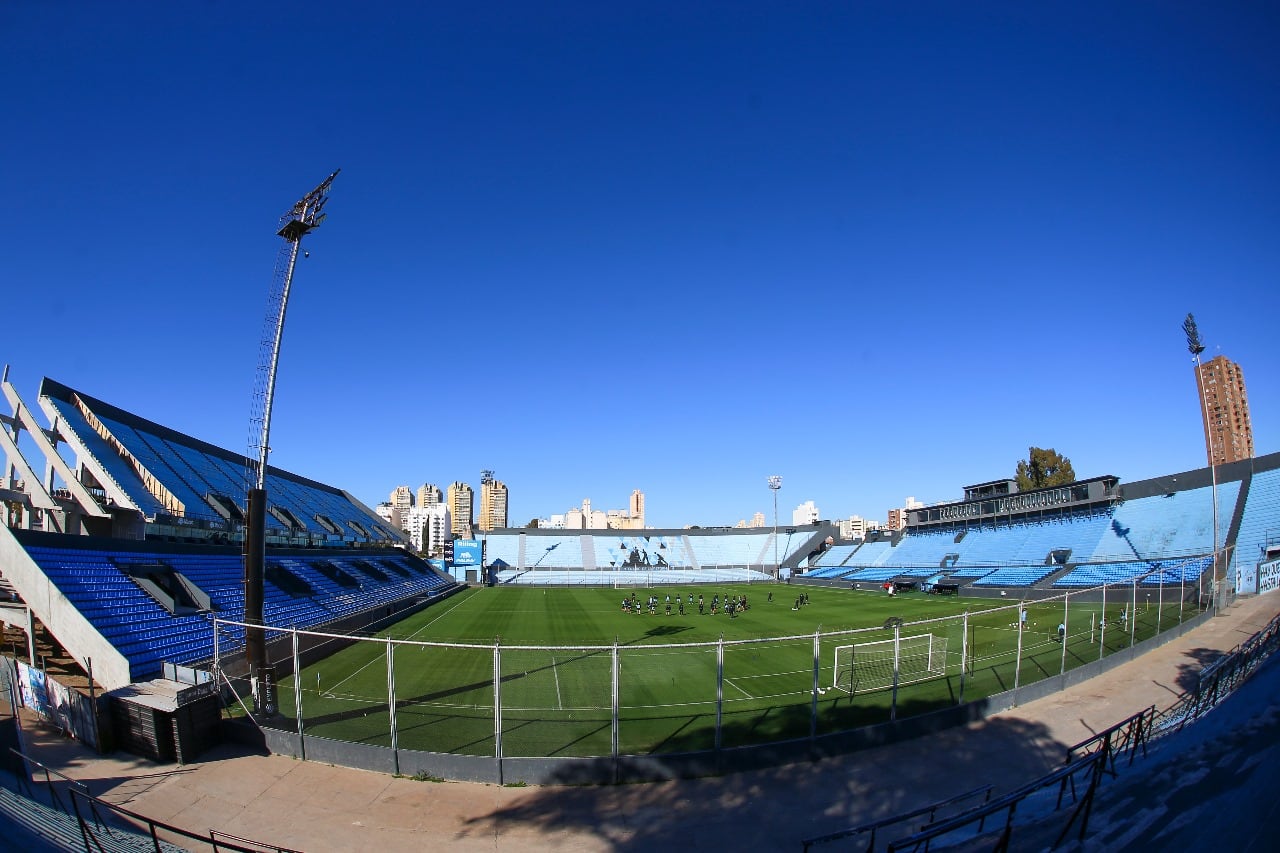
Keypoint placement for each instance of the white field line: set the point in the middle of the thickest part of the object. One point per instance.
(455, 606)
(555, 672)
(330, 691)
(729, 682)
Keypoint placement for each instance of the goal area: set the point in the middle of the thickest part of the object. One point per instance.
(870, 666)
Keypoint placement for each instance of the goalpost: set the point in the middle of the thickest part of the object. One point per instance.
(868, 666)
(639, 580)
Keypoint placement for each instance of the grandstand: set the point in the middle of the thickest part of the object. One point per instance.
(1154, 532)
(136, 555)
(608, 557)
(127, 562)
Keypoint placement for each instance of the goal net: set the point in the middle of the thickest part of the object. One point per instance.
(868, 666)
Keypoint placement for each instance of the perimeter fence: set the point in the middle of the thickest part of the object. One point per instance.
(400, 704)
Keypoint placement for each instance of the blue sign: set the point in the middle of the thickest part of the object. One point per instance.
(467, 552)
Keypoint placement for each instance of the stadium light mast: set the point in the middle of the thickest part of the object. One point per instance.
(1195, 346)
(305, 216)
(775, 483)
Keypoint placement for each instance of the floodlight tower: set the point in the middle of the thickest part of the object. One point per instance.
(775, 483)
(1195, 346)
(302, 218)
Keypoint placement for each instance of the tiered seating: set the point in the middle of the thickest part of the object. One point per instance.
(884, 573)
(190, 470)
(615, 550)
(920, 549)
(1260, 524)
(1152, 573)
(1162, 526)
(553, 552)
(1016, 576)
(1077, 534)
(504, 548)
(830, 572)
(107, 458)
(147, 634)
(628, 577)
(985, 546)
(835, 555)
(738, 549)
(871, 553)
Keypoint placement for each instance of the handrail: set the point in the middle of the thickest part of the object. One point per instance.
(872, 827)
(49, 770)
(1097, 754)
(216, 834)
(153, 828)
(1063, 777)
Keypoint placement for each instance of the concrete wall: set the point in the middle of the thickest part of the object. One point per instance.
(72, 631)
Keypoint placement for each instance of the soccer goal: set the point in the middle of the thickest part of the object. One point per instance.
(637, 580)
(868, 666)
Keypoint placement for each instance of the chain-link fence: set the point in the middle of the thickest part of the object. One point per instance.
(665, 698)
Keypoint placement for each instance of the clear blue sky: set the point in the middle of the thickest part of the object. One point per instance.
(598, 247)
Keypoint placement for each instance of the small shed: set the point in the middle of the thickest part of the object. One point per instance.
(165, 720)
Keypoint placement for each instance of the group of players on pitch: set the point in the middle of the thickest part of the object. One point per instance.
(732, 605)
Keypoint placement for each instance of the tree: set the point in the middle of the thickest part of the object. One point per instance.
(532, 525)
(1043, 467)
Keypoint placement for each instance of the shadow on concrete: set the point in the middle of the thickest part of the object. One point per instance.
(778, 807)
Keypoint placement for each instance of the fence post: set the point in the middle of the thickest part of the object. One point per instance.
(964, 654)
(1066, 624)
(1160, 603)
(1102, 635)
(497, 705)
(391, 706)
(616, 738)
(1017, 660)
(1182, 597)
(297, 696)
(1133, 614)
(897, 646)
(719, 696)
(217, 660)
(813, 707)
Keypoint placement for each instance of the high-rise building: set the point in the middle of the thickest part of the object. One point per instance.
(898, 515)
(757, 520)
(401, 502)
(429, 494)
(637, 510)
(493, 505)
(389, 514)
(1228, 432)
(806, 513)
(461, 505)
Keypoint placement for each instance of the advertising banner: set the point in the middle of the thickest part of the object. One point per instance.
(467, 553)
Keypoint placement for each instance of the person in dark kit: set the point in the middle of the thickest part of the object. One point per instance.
(701, 606)
(668, 605)
(681, 600)
(770, 596)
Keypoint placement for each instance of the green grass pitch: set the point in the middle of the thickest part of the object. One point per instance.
(558, 701)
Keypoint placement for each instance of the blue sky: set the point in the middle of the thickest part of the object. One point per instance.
(598, 247)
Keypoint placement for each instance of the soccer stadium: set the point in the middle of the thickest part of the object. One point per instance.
(595, 657)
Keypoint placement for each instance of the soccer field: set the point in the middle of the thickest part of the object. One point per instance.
(462, 670)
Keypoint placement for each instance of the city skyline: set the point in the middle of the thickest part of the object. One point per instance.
(878, 251)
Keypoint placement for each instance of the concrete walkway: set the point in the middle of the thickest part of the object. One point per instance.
(315, 807)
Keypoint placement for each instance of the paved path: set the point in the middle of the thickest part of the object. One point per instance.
(315, 807)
